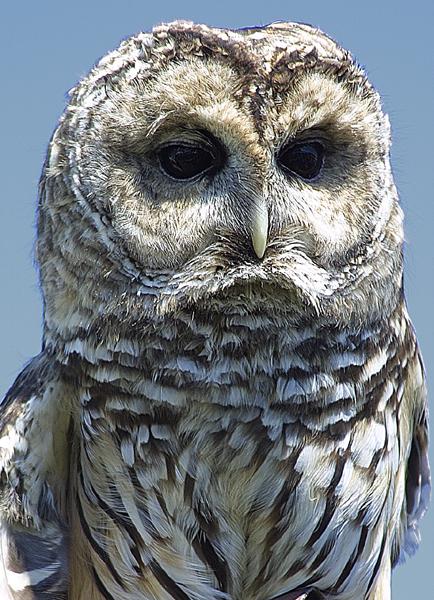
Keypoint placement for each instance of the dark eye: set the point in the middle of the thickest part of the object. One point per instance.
(185, 161)
(304, 159)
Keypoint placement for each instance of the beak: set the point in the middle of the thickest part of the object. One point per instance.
(259, 227)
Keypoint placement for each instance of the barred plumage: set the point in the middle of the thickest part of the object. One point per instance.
(229, 402)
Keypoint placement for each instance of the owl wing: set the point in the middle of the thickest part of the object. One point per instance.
(418, 480)
(34, 425)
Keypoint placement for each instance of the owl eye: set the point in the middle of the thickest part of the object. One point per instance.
(186, 161)
(304, 159)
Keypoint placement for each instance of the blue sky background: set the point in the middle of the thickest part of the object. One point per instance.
(46, 46)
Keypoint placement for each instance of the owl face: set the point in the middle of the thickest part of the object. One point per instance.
(237, 160)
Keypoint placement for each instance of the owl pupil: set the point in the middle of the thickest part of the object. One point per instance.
(183, 161)
(302, 159)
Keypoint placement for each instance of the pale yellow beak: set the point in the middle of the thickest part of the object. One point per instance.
(259, 228)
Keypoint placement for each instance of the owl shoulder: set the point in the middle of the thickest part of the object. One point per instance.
(35, 421)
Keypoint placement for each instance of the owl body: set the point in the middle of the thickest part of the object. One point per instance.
(229, 402)
(246, 478)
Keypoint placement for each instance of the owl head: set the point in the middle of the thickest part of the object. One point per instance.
(224, 170)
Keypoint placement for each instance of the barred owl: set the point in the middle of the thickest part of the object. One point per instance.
(229, 402)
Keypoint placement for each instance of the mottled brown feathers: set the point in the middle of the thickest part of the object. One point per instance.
(230, 401)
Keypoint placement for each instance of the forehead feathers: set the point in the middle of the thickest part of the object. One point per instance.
(265, 61)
